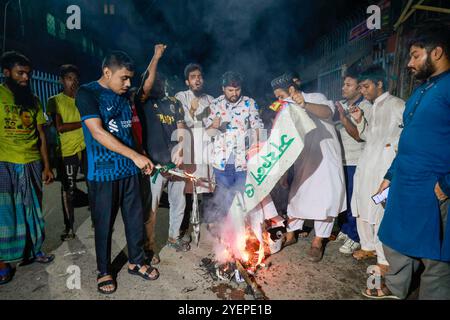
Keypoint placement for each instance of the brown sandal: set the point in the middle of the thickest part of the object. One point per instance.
(363, 254)
(292, 240)
(382, 293)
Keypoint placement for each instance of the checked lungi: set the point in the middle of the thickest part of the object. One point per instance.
(21, 219)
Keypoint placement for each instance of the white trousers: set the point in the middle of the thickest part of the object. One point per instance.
(368, 235)
(322, 228)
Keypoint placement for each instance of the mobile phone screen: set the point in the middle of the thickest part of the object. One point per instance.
(379, 198)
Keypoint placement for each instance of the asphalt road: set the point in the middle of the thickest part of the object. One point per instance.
(290, 275)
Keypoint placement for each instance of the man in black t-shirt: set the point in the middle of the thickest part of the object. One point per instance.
(162, 121)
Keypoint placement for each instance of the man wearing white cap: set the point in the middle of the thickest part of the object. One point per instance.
(318, 189)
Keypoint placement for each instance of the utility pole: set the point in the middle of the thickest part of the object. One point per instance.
(22, 26)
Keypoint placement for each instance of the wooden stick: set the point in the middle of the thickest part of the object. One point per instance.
(257, 292)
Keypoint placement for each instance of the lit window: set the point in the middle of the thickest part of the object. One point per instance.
(109, 9)
(51, 25)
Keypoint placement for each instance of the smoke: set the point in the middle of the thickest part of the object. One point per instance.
(258, 38)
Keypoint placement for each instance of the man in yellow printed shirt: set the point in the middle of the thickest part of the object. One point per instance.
(23, 167)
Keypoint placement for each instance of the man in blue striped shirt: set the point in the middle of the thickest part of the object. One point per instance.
(113, 167)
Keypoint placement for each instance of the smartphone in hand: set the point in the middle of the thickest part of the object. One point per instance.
(379, 198)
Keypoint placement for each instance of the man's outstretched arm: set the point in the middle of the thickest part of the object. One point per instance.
(148, 83)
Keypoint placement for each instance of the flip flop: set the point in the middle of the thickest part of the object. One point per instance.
(44, 258)
(179, 245)
(363, 254)
(6, 274)
(374, 294)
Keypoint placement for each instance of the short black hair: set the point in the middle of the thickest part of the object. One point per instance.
(284, 82)
(117, 60)
(293, 74)
(351, 72)
(434, 34)
(375, 74)
(190, 68)
(11, 58)
(232, 79)
(22, 111)
(68, 68)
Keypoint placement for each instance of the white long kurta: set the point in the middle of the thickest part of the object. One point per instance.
(381, 130)
(318, 189)
(201, 156)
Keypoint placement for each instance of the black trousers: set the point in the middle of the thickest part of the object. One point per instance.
(106, 198)
(69, 190)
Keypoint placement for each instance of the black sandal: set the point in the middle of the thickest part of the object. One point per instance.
(105, 283)
(136, 271)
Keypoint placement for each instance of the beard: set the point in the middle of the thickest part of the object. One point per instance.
(426, 70)
(233, 99)
(198, 92)
(23, 96)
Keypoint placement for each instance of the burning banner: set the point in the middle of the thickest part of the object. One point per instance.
(265, 169)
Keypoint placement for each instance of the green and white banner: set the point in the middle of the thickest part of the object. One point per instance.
(274, 158)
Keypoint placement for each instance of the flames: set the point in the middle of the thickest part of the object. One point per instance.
(252, 251)
(245, 245)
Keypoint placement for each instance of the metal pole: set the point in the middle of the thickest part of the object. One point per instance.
(413, 9)
(22, 26)
(433, 9)
(4, 26)
(405, 11)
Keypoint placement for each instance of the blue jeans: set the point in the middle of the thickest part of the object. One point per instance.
(347, 220)
(229, 181)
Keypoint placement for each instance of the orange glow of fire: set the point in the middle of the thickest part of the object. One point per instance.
(249, 250)
(252, 251)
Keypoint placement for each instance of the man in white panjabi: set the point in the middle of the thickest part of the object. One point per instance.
(318, 189)
(381, 130)
(196, 107)
(352, 147)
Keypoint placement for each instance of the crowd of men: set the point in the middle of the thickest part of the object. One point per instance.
(125, 141)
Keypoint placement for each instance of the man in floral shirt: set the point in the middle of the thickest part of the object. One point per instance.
(233, 122)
